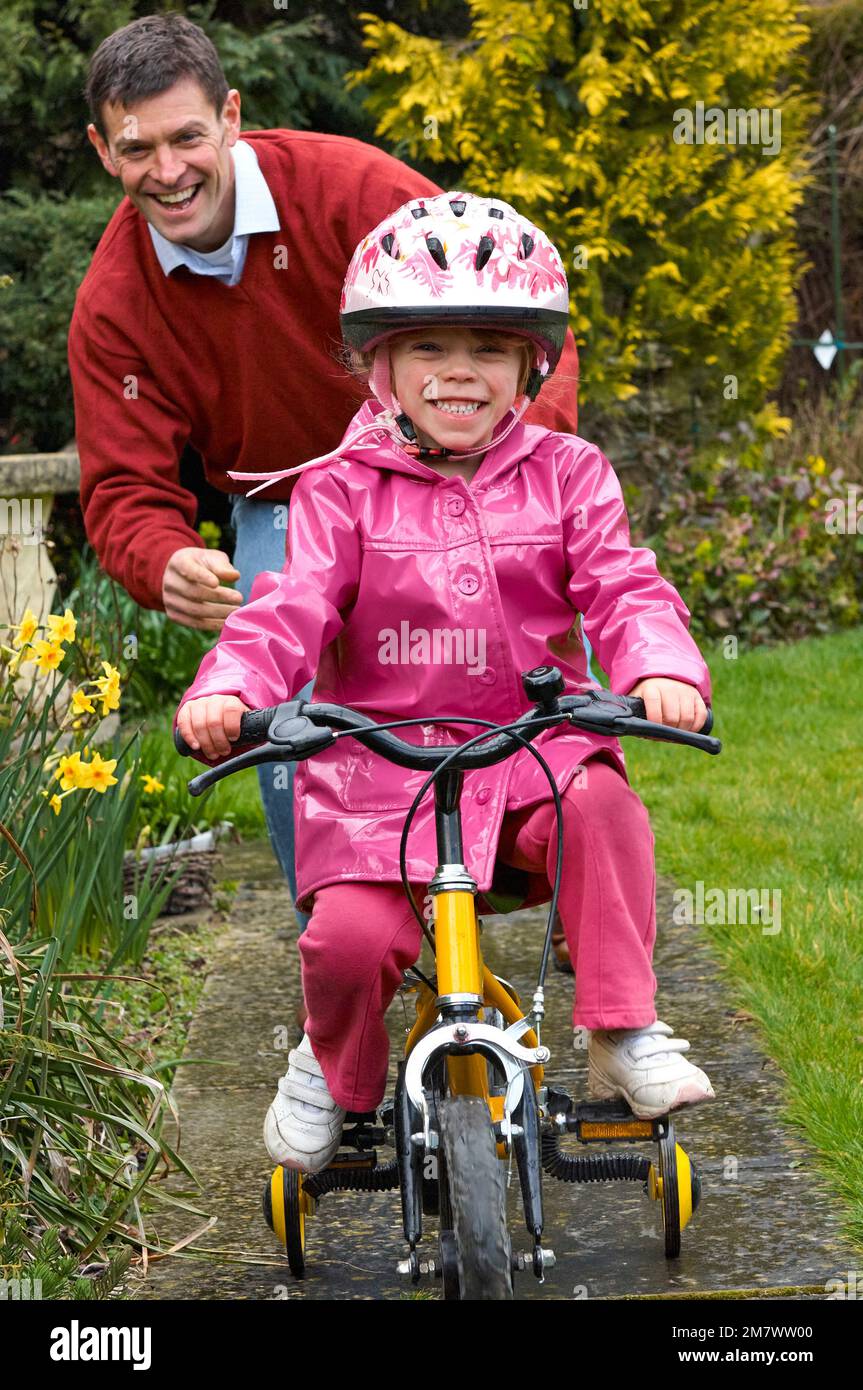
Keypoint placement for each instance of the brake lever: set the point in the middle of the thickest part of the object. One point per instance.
(598, 711)
(298, 739)
(262, 753)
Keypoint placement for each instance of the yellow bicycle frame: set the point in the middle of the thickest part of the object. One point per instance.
(460, 970)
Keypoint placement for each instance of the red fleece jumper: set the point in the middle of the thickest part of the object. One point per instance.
(246, 375)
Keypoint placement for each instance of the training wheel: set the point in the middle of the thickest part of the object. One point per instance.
(286, 1206)
(677, 1186)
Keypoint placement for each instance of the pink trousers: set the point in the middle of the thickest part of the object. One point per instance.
(362, 936)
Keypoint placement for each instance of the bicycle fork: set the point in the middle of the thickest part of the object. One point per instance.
(448, 1034)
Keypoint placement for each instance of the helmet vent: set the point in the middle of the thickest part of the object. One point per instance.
(416, 213)
(436, 251)
(496, 212)
(484, 250)
(458, 208)
(527, 244)
(387, 244)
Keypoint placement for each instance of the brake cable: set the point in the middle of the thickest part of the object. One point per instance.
(512, 731)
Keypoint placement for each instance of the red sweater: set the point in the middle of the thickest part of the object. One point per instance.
(246, 375)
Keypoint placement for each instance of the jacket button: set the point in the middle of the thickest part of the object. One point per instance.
(488, 676)
(468, 584)
(454, 506)
(483, 795)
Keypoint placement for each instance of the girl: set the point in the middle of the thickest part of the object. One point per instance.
(441, 550)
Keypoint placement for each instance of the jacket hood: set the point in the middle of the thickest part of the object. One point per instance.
(372, 437)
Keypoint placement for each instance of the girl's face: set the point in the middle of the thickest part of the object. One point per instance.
(456, 384)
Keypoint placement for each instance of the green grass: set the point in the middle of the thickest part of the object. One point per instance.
(782, 808)
(237, 799)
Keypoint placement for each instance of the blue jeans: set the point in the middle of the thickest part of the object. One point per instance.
(261, 540)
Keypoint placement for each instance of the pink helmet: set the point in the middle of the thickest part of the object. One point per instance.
(459, 259)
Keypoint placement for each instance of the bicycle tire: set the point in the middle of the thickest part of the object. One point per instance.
(284, 1212)
(477, 1197)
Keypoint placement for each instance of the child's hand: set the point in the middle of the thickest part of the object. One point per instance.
(671, 702)
(211, 723)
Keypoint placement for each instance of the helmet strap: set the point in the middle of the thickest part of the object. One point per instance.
(534, 382)
(415, 449)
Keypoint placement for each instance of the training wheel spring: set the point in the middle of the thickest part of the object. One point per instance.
(610, 1167)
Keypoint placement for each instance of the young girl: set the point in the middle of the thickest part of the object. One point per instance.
(441, 550)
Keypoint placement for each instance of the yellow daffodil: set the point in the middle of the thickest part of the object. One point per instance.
(152, 784)
(48, 654)
(70, 772)
(82, 703)
(20, 659)
(55, 801)
(819, 464)
(62, 629)
(27, 626)
(109, 687)
(98, 773)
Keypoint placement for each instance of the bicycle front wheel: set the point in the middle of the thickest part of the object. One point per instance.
(477, 1199)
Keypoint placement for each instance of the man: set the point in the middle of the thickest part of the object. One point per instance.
(209, 316)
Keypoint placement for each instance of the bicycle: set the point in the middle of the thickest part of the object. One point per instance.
(471, 1091)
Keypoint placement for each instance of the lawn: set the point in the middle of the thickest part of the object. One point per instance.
(781, 808)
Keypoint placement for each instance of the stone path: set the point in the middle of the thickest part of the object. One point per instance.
(766, 1228)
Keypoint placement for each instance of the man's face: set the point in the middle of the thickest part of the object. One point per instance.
(170, 144)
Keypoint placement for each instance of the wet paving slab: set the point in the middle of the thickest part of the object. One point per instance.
(767, 1226)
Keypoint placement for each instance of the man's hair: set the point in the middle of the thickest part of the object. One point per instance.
(147, 57)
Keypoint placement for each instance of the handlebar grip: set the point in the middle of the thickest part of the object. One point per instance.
(636, 705)
(254, 725)
(182, 746)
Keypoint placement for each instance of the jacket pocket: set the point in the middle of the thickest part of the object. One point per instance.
(373, 784)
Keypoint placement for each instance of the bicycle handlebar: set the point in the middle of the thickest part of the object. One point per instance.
(294, 730)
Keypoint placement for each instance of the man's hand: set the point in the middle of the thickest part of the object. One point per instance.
(211, 723)
(671, 702)
(191, 590)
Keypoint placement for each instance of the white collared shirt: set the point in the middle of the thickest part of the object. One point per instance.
(254, 211)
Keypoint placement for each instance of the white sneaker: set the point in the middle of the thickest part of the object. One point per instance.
(303, 1126)
(644, 1067)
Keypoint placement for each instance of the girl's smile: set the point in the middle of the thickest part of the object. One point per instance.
(456, 384)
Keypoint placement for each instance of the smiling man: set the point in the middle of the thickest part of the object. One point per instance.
(209, 317)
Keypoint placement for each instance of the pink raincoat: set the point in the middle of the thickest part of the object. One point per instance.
(411, 594)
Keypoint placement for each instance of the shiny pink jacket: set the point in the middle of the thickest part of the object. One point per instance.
(414, 594)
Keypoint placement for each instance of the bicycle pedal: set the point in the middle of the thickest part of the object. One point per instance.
(610, 1119)
(360, 1161)
(363, 1137)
